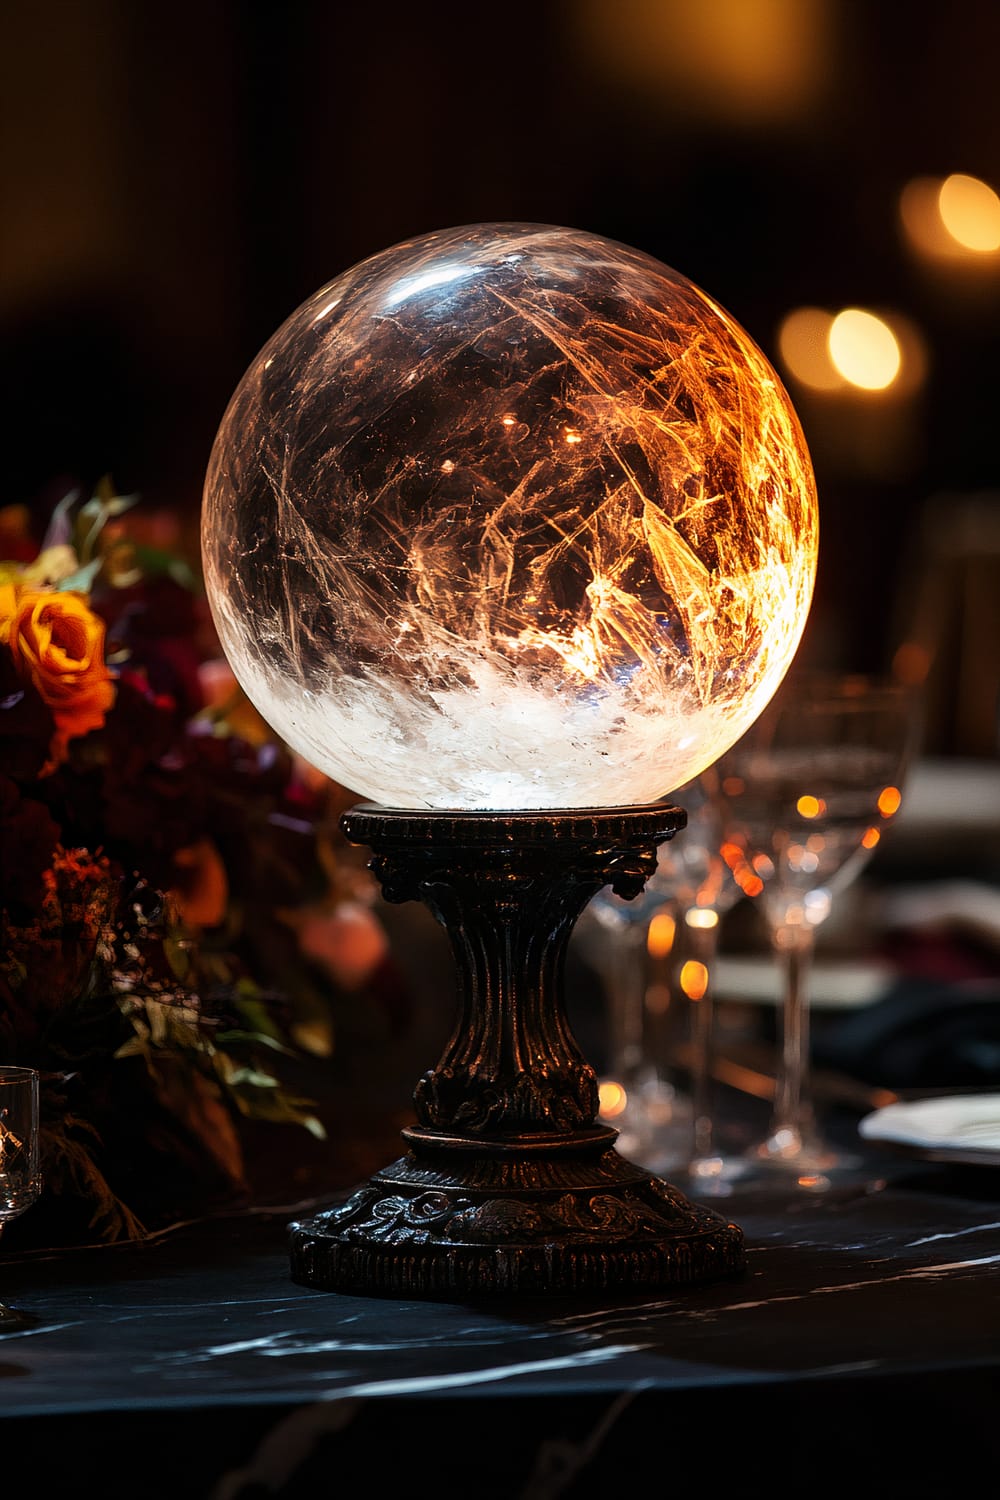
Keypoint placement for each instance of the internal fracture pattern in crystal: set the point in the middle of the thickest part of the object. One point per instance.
(510, 516)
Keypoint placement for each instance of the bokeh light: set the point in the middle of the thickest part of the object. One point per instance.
(864, 349)
(613, 1099)
(889, 801)
(693, 979)
(660, 934)
(810, 807)
(749, 61)
(804, 349)
(952, 219)
(854, 352)
(970, 211)
(702, 917)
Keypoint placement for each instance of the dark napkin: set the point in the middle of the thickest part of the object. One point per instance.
(922, 1034)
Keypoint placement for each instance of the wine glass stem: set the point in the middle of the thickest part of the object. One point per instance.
(792, 1111)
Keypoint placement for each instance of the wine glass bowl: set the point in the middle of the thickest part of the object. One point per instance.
(20, 1173)
(809, 792)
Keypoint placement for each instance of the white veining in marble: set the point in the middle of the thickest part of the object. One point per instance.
(955, 1234)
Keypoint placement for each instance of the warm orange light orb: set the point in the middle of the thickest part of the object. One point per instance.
(510, 516)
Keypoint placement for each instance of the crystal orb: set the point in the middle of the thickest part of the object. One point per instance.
(510, 516)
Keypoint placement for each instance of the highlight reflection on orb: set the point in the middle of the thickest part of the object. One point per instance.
(510, 516)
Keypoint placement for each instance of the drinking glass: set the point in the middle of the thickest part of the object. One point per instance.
(655, 955)
(810, 791)
(636, 1095)
(20, 1176)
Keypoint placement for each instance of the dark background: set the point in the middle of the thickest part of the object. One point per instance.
(177, 178)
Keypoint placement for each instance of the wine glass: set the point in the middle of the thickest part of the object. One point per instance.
(713, 892)
(809, 793)
(636, 1096)
(655, 956)
(20, 1175)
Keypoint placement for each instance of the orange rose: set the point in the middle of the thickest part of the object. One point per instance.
(57, 641)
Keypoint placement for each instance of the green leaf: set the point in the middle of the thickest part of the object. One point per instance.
(94, 516)
(253, 1010)
(155, 563)
(236, 1077)
(254, 1038)
(281, 1109)
(80, 581)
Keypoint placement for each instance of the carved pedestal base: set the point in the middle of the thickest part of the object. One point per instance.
(551, 1217)
(508, 1185)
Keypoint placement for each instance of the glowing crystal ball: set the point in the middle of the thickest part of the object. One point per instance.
(510, 516)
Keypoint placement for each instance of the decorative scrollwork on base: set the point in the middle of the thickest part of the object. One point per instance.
(510, 1185)
(396, 1234)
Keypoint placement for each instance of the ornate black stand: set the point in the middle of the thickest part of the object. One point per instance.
(508, 1186)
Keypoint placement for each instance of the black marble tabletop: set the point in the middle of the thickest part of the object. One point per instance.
(860, 1350)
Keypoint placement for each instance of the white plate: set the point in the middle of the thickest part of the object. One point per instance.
(950, 795)
(833, 984)
(955, 1127)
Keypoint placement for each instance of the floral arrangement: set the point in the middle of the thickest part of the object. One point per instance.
(177, 919)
